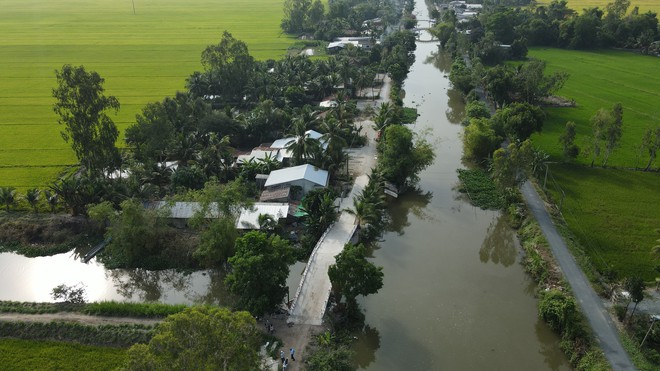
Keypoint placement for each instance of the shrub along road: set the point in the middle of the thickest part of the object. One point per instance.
(592, 307)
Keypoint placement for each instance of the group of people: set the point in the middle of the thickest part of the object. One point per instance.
(285, 361)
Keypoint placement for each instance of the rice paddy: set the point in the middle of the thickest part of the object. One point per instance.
(143, 56)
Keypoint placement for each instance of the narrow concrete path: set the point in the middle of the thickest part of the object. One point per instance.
(78, 318)
(312, 295)
(592, 307)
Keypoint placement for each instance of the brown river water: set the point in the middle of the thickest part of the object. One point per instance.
(455, 296)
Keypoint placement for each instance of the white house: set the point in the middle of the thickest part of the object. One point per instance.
(306, 176)
(249, 218)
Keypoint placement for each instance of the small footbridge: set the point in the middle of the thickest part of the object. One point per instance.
(423, 27)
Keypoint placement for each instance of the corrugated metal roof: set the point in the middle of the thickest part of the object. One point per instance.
(291, 174)
(249, 218)
(258, 154)
(183, 210)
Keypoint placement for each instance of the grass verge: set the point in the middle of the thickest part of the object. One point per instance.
(16, 354)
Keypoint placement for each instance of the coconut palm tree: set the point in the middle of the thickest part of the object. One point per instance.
(8, 197)
(52, 199)
(32, 197)
(303, 146)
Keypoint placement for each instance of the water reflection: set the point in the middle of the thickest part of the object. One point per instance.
(552, 356)
(499, 246)
(456, 107)
(147, 285)
(415, 202)
(368, 341)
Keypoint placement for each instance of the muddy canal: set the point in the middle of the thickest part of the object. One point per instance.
(455, 296)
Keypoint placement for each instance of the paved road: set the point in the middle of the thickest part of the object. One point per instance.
(592, 307)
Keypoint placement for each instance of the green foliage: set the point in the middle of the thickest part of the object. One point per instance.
(512, 166)
(335, 358)
(480, 189)
(319, 204)
(80, 103)
(7, 197)
(18, 354)
(401, 157)
(259, 270)
(558, 310)
(518, 121)
(477, 109)
(136, 233)
(480, 140)
(354, 275)
(200, 338)
(567, 140)
(108, 335)
(117, 309)
(37, 308)
(69, 294)
(217, 241)
(461, 76)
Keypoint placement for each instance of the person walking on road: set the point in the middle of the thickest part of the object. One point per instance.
(282, 356)
(292, 351)
(285, 364)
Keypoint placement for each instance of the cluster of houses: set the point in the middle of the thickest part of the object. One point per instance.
(464, 11)
(281, 190)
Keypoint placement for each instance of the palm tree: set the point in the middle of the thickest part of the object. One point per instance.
(303, 146)
(268, 163)
(385, 117)
(52, 199)
(334, 139)
(7, 196)
(32, 197)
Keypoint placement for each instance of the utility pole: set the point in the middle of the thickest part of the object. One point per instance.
(133, 1)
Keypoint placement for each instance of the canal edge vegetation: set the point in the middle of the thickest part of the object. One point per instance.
(492, 65)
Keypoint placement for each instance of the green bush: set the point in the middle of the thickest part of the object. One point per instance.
(116, 309)
(108, 335)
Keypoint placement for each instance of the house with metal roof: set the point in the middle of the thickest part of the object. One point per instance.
(249, 218)
(306, 177)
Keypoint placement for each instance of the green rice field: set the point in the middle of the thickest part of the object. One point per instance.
(143, 57)
(612, 212)
(50, 355)
(644, 5)
(599, 79)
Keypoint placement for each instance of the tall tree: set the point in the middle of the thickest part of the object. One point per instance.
(354, 275)
(229, 66)
(259, 270)
(82, 105)
(651, 143)
(402, 156)
(32, 197)
(567, 140)
(613, 131)
(7, 197)
(200, 338)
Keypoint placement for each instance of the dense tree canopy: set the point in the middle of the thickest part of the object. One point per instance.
(402, 158)
(259, 270)
(354, 275)
(200, 338)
